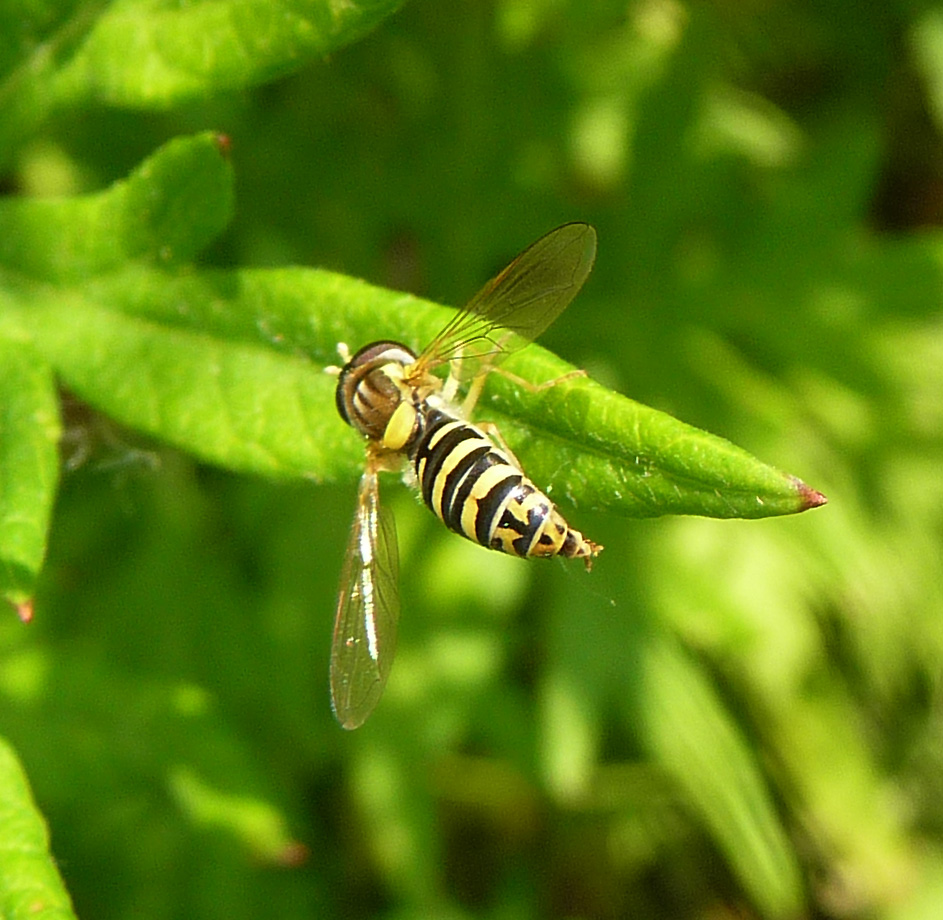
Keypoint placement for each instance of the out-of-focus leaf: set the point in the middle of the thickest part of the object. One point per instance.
(35, 39)
(149, 55)
(697, 742)
(197, 365)
(166, 211)
(250, 819)
(927, 43)
(29, 464)
(155, 55)
(26, 24)
(201, 763)
(30, 886)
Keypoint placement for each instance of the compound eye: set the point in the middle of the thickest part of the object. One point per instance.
(382, 353)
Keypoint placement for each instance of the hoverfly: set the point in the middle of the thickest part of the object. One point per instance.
(476, 488)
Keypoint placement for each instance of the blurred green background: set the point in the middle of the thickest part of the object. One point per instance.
(725, 719)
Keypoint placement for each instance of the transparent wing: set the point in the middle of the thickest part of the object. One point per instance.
(367, 609)
(518, 304)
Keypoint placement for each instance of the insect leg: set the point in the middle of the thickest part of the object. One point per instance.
(473, 394)
(537, 387)
(450, 387)
(494, 432)
(477, 385)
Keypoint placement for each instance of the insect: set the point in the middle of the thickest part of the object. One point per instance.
(408, 416)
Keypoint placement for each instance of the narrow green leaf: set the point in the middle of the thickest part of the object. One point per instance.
(168, 209)
(29, 464)
(691, 735)
(230, 367)
(253, 820)
(155, 55)
(30, 886)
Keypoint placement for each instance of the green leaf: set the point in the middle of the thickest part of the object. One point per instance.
(29, 464)
(698, 743)
(229, 366)
(155, 55)
(258, 824)
(244, 407)
(35, 39)
(165, 212)
(149, 55)
(30, 886)
(25, 24)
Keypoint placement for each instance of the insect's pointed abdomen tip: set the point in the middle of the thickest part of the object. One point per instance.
(595, 550)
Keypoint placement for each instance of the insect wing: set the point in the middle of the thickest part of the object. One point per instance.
(367, 610)
(518, 304)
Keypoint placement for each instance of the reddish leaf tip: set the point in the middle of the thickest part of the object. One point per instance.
(24, 610)
(293, 855)
(224, 143)
(810, 498)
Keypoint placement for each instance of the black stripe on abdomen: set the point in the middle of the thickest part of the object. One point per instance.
(429, 460)
(463, 478)
(459, 482)
(491, 505)
(444, 453)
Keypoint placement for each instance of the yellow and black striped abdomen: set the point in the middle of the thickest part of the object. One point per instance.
(477, 491)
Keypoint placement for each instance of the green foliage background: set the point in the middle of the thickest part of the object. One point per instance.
(727, 718)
